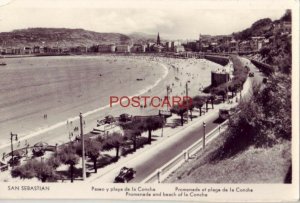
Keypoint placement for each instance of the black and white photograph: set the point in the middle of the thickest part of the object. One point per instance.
(143, 96)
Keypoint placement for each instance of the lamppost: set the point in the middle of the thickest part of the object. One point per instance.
(82, 148)
(186, 92)
(168, 90)
(203, 140)
(12, 147)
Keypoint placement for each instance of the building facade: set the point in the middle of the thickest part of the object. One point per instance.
(106, 48)
(123, 49)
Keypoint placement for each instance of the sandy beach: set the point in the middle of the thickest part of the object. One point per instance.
(61, 87)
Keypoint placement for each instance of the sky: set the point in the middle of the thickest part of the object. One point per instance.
(172, 22)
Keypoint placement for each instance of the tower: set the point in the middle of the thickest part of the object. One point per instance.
(158, 39)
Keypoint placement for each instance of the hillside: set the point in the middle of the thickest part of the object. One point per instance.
(61, 37)
(259, 28)
(138, 37)
(277, 52)
(263, 27)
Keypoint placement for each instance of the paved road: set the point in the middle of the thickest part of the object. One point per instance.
(170, 151)
(258, 76)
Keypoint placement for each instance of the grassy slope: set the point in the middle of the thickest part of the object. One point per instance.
(254, 165)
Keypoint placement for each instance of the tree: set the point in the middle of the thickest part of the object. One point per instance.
(132, 135)
(222, 92)
(93, 148)
(287, 16)
(114, 141)
(34, 168)
(198, 102)
(206, 104)
(237, 87)
(132, 130)
(151, 123)
(179, 110)
(232, 89)
(276, 110)
(265, 51)
(212, 99)
(24, 171)
(45, 171)
(54, 162)
(190, 107)
(67, 155)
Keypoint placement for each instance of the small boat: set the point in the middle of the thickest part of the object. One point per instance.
(2, 64)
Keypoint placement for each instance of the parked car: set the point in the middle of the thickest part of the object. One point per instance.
(265, 80)
(125, 175)
(251, 74)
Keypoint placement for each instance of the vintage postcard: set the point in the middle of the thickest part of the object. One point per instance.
(149, 100)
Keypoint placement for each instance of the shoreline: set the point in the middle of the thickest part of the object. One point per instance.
(40, 130)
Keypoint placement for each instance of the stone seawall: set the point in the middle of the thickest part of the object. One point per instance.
(265, 68)
(217, 59)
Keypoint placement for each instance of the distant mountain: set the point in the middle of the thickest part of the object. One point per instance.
(143, 38)
(61, 37)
